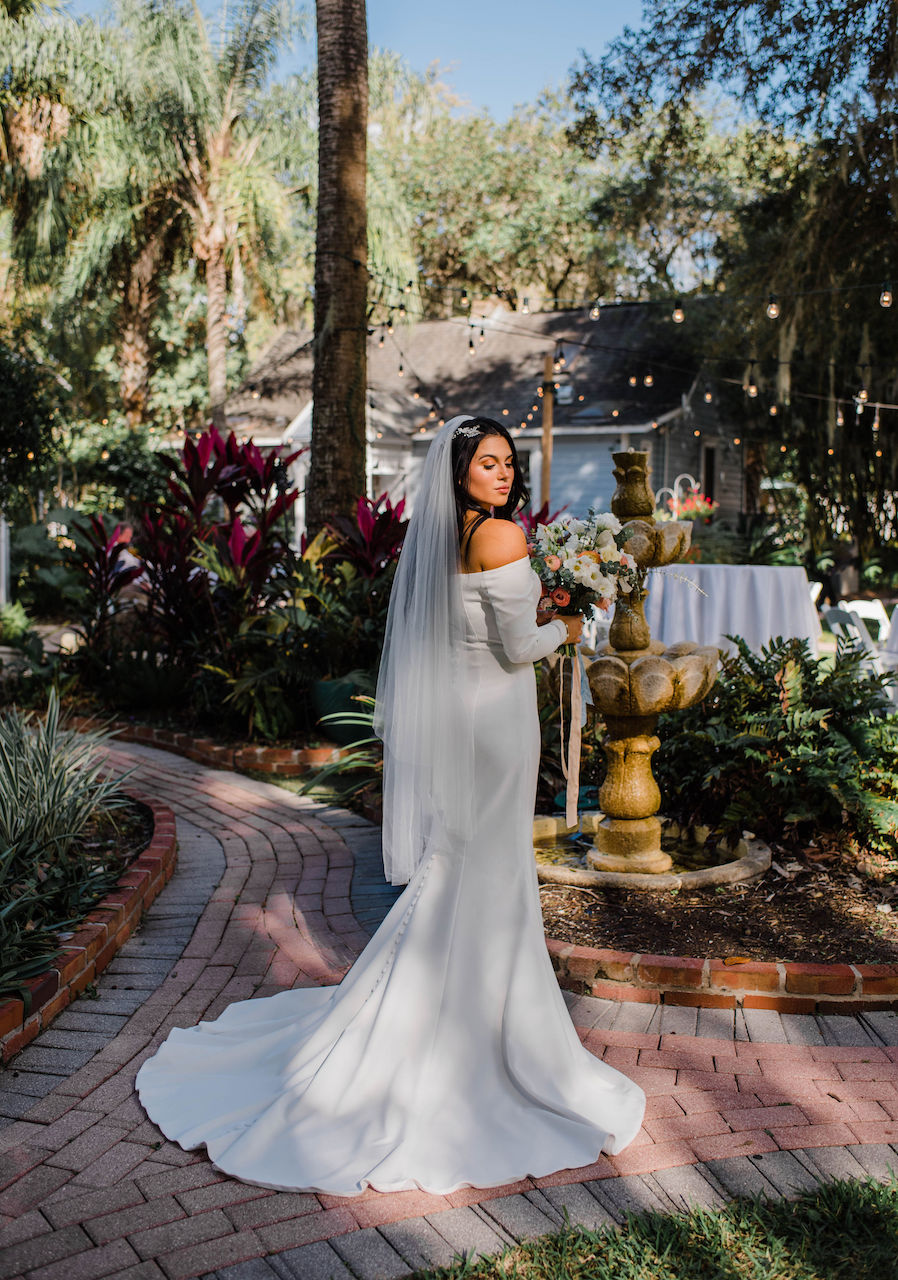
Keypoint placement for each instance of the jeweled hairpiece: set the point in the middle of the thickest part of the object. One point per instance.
(467, 431)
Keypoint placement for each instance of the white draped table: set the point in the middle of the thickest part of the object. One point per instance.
(757, 602)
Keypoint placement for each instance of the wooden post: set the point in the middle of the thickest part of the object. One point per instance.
(548, 416)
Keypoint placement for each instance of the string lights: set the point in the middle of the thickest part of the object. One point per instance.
(505, 325)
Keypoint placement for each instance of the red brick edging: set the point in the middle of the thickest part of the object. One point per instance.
(285, 762)
(92, 946)
(787, 987)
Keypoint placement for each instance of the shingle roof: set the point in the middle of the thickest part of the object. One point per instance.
(628, 341)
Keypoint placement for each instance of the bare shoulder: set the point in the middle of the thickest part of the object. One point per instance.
(497, 542)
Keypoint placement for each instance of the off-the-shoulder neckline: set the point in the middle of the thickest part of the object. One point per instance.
(478, 573)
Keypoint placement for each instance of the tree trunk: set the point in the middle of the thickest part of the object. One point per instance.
(138, 308)
(216, 333)
(338, 455)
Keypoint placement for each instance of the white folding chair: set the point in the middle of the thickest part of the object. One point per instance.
(815, 588)
(870, 611)
(843, 622)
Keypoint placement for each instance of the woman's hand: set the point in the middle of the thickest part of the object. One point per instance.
(574, 624)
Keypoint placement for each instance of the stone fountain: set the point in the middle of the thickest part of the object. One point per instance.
(633, 680)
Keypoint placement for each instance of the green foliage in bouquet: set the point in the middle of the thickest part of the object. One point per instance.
(783, 742)
(52, 788)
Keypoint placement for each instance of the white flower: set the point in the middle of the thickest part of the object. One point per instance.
(605, 520)
(571, 563)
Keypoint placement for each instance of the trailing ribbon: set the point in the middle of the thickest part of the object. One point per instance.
(581, 697)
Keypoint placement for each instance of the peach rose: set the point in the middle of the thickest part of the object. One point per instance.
(553, 563)
(561, 596)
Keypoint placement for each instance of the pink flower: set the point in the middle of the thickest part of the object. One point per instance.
(553, 562)
(561, 596)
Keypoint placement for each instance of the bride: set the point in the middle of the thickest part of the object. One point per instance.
(446, 1056)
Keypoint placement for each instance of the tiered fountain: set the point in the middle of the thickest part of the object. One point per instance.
(633, 680)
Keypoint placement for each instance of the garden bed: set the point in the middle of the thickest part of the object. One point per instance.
(824, 909)
(145, 839)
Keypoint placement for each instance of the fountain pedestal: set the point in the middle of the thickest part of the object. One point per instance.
(634, 680)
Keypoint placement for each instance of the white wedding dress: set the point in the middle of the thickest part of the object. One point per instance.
(446, 1057)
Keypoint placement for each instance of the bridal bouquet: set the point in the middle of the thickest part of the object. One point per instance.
(581, 564)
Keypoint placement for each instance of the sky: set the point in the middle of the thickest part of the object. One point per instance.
(500, 52)
(495, 53)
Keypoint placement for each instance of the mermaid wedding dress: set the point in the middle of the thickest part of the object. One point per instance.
(446, 1057)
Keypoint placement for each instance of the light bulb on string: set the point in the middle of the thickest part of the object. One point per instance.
(525, 307)
(696, 432)
(879, 453)
(400, 371)
(470, 346)
(409, 287)
(649, 379)
(381, 343)
(885, 296)
(504, 413)
(876, 424)
(840, 417)
(774, 410)
(632, 379)
(863, 395)
(482, 336)
(773, 308)
(540, 392)
(737, 440)
(464, 298)
(709, 395)
(751, 386)
(830, 452)
(678, 315)
(390, 323)
(595, 310)
(782, 448)
(402, 312)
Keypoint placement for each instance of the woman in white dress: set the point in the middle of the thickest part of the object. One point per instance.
(446, 1056)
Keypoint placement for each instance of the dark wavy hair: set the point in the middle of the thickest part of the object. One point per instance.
(463, 449)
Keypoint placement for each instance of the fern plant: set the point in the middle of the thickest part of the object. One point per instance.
(786, 741)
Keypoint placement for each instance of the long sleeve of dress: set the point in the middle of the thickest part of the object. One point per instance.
(510, 592)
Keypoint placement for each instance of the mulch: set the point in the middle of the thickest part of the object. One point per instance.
(814, 905)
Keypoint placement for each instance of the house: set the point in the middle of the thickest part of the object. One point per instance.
(622, 381)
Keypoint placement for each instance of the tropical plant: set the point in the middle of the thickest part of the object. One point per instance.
(104, 566)
(785, 745)
(54, 784)
(373, 539)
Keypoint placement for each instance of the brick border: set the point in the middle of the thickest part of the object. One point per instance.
(284, 762)
(786, 987)
(87, 953)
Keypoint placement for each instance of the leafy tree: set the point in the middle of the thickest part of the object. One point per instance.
(27, 409)
(813, 223)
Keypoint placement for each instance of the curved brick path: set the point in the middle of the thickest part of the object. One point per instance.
(273, 890)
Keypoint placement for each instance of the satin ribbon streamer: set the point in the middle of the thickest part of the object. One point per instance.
(581, 697)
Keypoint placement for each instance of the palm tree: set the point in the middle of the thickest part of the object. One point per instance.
(178, 161)
(337, 466)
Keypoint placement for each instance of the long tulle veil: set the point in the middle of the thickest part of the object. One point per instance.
(419, 707)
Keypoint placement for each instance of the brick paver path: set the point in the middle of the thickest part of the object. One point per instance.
(263, 899)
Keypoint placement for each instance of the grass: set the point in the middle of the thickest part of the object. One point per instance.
(842, 1231)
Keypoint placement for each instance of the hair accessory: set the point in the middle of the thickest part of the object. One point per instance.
(467, 431)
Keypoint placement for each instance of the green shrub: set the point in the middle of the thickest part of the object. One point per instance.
(14, 623)
(783, 742)
(52, 790)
